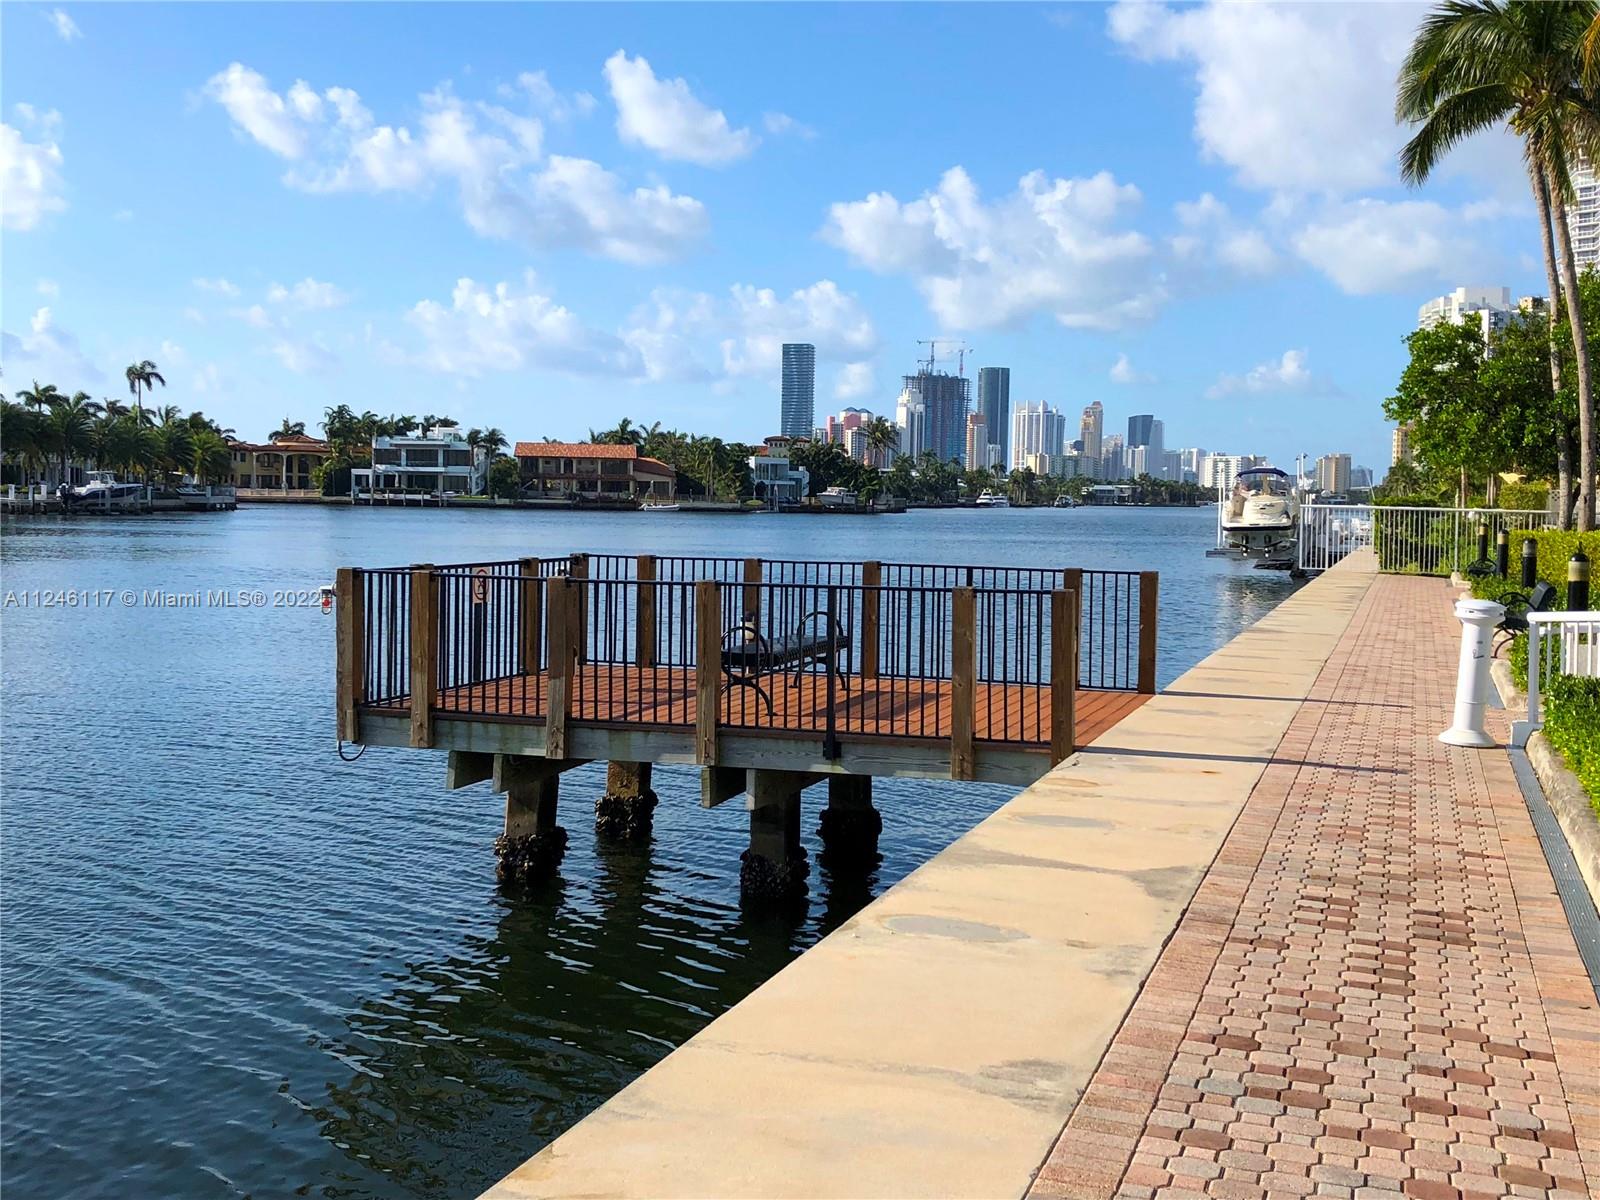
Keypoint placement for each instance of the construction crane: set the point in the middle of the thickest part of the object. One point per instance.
(933, 345)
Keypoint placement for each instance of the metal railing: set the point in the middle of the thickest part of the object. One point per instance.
(1408, 540)
(816, 652)
(1559, 643)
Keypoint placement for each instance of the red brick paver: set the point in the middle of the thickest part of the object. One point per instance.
(1374, 992)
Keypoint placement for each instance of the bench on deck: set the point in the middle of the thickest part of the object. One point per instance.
(749, 656)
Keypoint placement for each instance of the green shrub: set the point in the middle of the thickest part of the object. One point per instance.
(1572, 723)
(1529, 495)
(1517, 658)
(1555, 548)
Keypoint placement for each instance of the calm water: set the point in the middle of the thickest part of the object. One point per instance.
(235, 965)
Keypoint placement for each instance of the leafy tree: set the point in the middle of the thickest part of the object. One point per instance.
(505, 479)
(1482, 64)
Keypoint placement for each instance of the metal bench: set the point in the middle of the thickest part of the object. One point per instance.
(1518, 606)
(750, 656)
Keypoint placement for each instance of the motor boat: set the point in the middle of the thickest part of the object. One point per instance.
(990, 499)
(837, 497)
(1066, 502)
(1259, 518)
(658, 508)
(101, 487)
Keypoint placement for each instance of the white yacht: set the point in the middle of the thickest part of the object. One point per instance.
(991, 499)
(101, 487)
(837, 497)
(1259, 518)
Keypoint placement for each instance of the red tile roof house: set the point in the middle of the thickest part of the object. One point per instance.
(592, 471)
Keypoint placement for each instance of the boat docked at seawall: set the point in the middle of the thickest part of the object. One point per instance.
(1260, 517)
(658, 508)
(102, 491)
(991, 499)
(837, 497)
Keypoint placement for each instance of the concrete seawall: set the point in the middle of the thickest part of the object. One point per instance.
(936, 1043)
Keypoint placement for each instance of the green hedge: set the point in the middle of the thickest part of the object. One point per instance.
(1524, 495)
(1555, 548)
(1572, 723)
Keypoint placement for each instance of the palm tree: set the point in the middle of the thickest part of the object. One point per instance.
(883, 439)
(210, 458)
(141, 376)
(70, 425)
(493, 442)
(626, 433)
(1480, 64)
(288, 429)
(38, 398)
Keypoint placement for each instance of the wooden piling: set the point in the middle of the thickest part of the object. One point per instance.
(1148, 610)
(424, 653)
(530, 618)
(707, 669)
(750, 596)
(963, 682)
(351, 678)
(1063, 673)
(871, 580)
(559, 627)
(578, 607)
(644, 650)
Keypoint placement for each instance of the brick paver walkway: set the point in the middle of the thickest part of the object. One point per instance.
(1375, 992)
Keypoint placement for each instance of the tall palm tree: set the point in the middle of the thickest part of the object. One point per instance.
(288, 429)
(71, 428)
(493, 442)
(1479, 64)
(883, 439)
(210, 459)
(38, 397)
(142, 375)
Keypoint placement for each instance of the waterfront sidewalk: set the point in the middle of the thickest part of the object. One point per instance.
(1374, 993)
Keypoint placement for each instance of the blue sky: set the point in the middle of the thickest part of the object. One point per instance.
(546, 218)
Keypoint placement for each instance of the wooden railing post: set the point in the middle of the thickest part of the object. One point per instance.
(871, 581)
(530, 626)
(1063, 673)
(963, 682)
(1148, 610)
(349, 595)
(559, 627)
(644, 651)
(424, 653)
(707, 668)
(750, 597)
(578, 606)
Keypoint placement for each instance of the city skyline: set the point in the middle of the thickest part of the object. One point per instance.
(540, 228)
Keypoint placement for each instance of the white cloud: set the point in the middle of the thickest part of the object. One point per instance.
(536, 86)
(780, 124)
(1123, 371)
(51, 352)
(48, 288)
(256, 317)
(195, 315)
(1287, 374)
(173, 355)
(854, 381)
(509, 328)
(663, 115)
(30, 172)
(1213, 236)
(308, 295)
(305, 357)
(66, 28)
(1297, 97)
(217, 286)
(1054, 246)
(493, 157)
(1368, 246)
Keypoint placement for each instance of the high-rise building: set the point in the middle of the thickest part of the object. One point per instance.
(1146, 433)
(1400, 444)
(1360, 477)
(1139, 429)
(848, 429)
(1488, 307)
(799, 412)
(1333, 473)
(1113, 461)
(1090, 428)
(1220, 470)
(1189, 464)
(946, 400)
(994, 402)
(1036, 429)
(977, 454)
(911, 415)
(1583, 215)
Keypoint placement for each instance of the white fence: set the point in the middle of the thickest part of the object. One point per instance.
(1414, 541)
(1566, 643)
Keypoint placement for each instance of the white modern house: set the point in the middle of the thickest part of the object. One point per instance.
(435, 462)
(775, 480)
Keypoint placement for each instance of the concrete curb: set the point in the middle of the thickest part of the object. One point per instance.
(1576, 816)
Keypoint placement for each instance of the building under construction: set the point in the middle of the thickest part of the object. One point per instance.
(946, 400)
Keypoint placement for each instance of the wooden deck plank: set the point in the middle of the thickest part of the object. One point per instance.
(890, 707)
